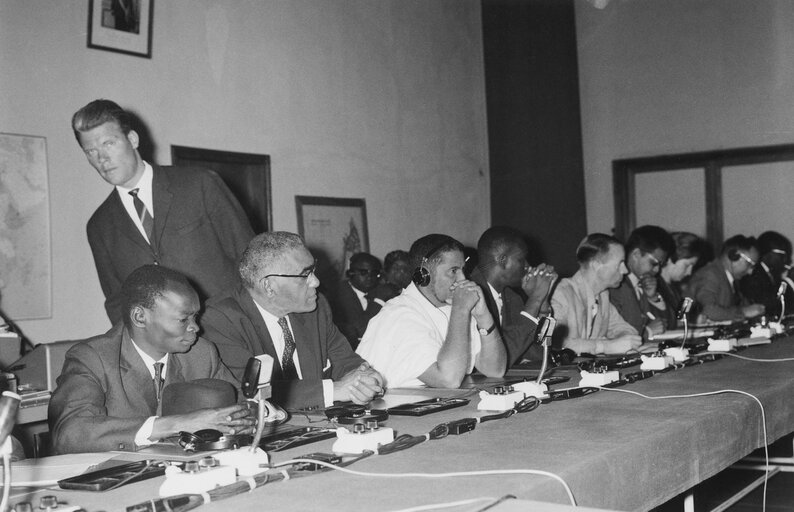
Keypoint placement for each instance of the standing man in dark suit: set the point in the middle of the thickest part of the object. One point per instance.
(277, 311)
(183, 218)
(355, 302)
(637, 299)
(109, 392)
(502, 267)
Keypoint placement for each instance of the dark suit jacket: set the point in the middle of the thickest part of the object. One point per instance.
(199, 229)
(714, 294)
(761, 288)
(634, 311)
(233, 322)
(105, 392)
(518, 331)
(351, 319)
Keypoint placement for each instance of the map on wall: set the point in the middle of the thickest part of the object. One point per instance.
(25, 265)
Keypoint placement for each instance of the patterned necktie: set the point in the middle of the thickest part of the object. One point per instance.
(287, 363)
(158, 380)
(143, 214)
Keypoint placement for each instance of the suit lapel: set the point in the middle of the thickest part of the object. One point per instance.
(263, 343)
(135, 377)
(122, 222)
(162, 198)
(307, 352)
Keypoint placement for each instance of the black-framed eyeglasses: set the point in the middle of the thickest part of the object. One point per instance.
(307, 272)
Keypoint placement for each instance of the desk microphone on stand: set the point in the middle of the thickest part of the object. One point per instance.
(546, 325)
(683, 312)
(781, 296)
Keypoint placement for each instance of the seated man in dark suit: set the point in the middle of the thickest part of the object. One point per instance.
(355, 301)
(109, 392)
(502, 266)
(714, 286)
(762, 285)
(180, 217)
(637, 299)
(277, 311)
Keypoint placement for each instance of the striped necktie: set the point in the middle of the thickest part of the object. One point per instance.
(287, 362)
(143, 214)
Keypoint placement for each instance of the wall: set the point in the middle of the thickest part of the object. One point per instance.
(678, 76)
(537, 182)
(376, 99)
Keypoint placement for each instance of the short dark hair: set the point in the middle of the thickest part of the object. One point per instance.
(594, 246)
(739, 243)
(364, 257)
(770, 240)
(687, 245)
(99, 112)
(497, 238)
(395, 256)
(650, 238)
(146, 284)
(431, 247)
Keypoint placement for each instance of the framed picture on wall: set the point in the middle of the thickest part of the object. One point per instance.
(334, 230)
(123, 26)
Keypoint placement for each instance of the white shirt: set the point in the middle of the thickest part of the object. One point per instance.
(144, 187)
(362, 297)
(403, 340)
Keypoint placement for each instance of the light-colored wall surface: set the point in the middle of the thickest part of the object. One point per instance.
(677, 76)
(380, 99)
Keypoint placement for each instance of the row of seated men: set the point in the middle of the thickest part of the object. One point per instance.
(167, 239)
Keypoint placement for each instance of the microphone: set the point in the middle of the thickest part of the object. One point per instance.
(683, 309)
(546, 326)
(781, 296)
(9, 405)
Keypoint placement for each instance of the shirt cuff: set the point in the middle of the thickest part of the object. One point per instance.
(145, 432)
(524, 313)
(328, 392)
(380, 301)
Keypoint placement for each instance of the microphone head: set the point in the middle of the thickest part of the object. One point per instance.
(683, 310)
(782, 289)
(546, 326)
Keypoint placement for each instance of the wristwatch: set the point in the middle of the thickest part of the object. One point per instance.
(486, 332)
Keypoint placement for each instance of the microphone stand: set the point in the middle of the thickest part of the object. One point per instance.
(538, 389)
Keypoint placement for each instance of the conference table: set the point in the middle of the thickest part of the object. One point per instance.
(615, 450)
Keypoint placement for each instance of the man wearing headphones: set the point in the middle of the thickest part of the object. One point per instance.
(715, 286)
(763, 284)
(439, 329)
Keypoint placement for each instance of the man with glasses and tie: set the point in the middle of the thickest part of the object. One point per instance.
(108, 396)
(183, 218)
(637, 299)
(715, 287)
(277, 311)
(356, 300)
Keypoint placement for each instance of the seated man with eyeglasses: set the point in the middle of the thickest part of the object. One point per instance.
(715, 287)
(637, 299)
(277, 311)
(356, 300)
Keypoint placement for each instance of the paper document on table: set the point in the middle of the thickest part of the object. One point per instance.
(46, 471)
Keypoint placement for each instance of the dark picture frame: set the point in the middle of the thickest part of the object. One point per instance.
(334, 229)
(122, 26)
(246, 174)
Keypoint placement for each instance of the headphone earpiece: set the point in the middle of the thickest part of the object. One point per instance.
(421, 276)
(733, 255)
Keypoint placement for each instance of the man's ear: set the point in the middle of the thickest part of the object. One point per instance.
(501, 259)
(134, 139)
(138, 316)
(267, 288)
